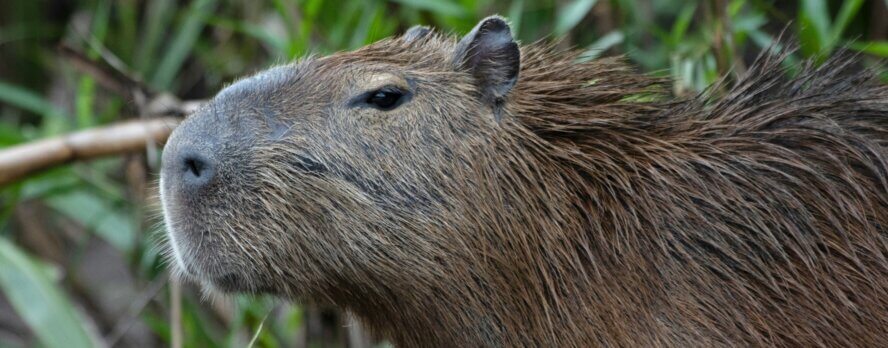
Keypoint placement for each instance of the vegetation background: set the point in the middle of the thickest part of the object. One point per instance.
(78, 261)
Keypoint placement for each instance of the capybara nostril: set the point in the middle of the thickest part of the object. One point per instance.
(196, 171)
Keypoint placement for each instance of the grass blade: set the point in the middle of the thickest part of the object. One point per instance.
(607, 41)
(442, 7)
(876, 48)
(157, 19)
(31, 291)
(516, 12)
(27, 100)
(813, 26)
(571, 15)
(277, 44)
(285, 11)
(182, 44)
(846, 14)
(680, 28)
(98, 215)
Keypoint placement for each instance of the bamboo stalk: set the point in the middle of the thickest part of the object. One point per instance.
(20, 161)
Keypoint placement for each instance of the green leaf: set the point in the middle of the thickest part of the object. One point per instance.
(516, 12)
(748, 23)
(607, 41)
(278, 44)
(160, 325)
(99, 26)
(285, 11)
(47, 312)
(813, 26)
(183, 43)
(877, 48)
(51, 182)
(157, 19)
(126, 21)
(442, 7)
(571, 15)
(846, 14)
(84, 102)
(27, 100)
(97, 214)
(735, 6)
(339, 28)
(680, 28)
(360, 33)
(10, 134)
(809, 40)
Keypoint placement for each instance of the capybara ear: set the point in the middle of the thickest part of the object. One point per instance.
(415, 33)
(490, 54)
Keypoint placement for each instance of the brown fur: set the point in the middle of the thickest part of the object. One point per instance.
(596, 211)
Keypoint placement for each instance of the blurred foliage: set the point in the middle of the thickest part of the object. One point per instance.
(192, 48)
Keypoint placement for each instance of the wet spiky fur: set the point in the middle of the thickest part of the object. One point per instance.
(597, 211)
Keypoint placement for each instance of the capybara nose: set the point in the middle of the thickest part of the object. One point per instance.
(195, 170)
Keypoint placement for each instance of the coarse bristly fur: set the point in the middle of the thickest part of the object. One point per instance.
(577, 204)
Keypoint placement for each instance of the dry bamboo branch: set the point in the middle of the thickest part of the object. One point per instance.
(22, 160)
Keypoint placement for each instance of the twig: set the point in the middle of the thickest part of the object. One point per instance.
(113, 78)
(176, 313)
(22, 160)
(109, 58)
(118, 79)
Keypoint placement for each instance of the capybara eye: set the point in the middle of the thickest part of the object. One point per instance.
(386, 98)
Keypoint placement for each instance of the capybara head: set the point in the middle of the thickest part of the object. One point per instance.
(320, 172)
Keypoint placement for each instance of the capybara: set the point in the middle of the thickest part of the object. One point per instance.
(472, 192)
